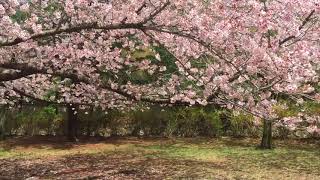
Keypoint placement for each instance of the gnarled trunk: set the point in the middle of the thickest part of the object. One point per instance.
(266, 142)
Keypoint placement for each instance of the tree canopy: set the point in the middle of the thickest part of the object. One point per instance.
(236, 54)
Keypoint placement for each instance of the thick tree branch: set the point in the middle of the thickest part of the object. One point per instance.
(77, 28)
(13, 75)
(82, 79)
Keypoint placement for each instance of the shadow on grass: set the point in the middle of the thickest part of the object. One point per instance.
(62, 143)
(158, 158)
(113, 166)
(55, 142)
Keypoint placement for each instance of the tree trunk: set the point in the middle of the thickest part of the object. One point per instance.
(89, 117)
(88, 131)
(72, 118)
(2, 123)
(266, 142)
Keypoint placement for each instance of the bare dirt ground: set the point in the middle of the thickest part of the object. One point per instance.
(132, 158)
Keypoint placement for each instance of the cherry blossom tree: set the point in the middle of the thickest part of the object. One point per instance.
(237, 54)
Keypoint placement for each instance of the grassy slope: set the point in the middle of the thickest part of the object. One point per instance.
(162, 159)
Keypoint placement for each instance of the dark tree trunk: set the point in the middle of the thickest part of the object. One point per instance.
(89, 121)
(88, 133)
(72, 119)
(2, 123)
(266, 142)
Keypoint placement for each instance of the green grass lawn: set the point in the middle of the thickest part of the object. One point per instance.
(131, 158)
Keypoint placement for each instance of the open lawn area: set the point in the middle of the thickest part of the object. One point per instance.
(134, 158)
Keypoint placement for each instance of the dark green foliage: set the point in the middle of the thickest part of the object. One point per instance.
(156, 121)
(135, 75)
(193, 122)
(53, 7)
(272, 33)
(242, 124)
(35, 120)
(311, 108)
(20, 16)
(141, 77)
(167, 59)
(150, 122)
(182, 121)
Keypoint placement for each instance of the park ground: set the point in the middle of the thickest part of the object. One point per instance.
(157, 158)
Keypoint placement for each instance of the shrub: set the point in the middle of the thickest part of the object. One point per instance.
(242, 124)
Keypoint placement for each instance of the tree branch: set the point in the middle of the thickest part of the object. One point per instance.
(156, 12)
(77, 28)
(305, 21)
(13, 75)
(88, 26)
(82, 79)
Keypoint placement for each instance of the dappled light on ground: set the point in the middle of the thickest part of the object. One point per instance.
(133, 158)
